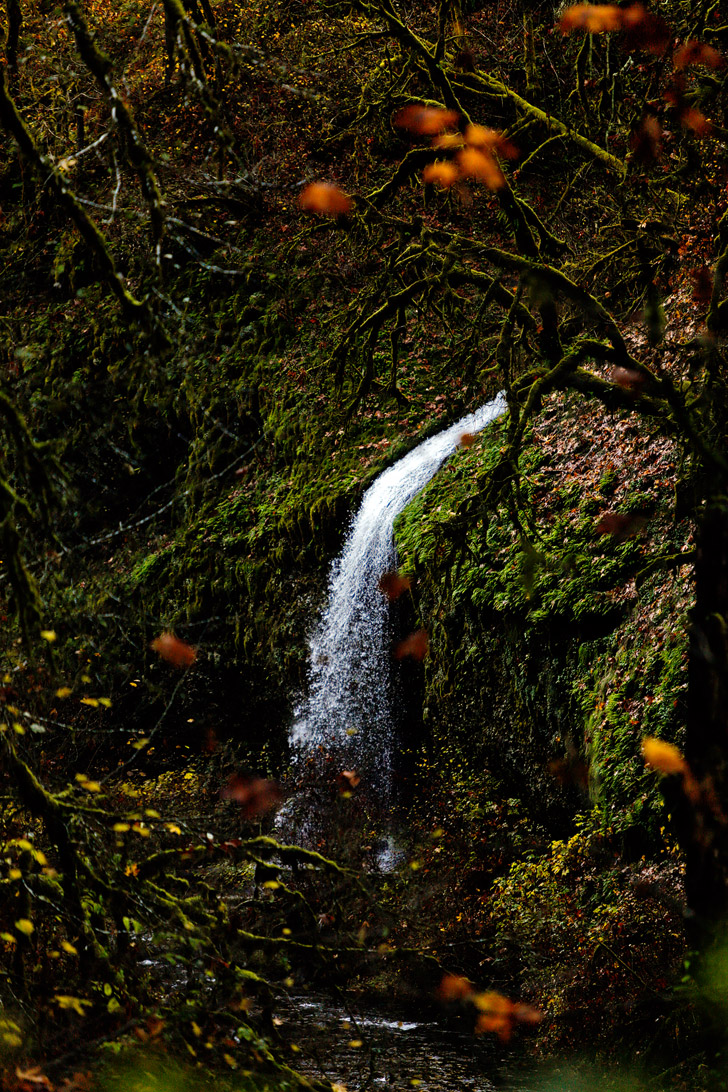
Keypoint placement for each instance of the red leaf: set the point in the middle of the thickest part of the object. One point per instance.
(393, 585)
(628, 378)
(414, 646)
(647, 141)
(254, 794)
(176, 652)
(695, 52)
(619, 525)
(702, 285)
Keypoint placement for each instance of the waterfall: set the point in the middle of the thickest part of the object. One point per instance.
(348, 706)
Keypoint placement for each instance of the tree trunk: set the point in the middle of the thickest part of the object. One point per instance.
(707, 725)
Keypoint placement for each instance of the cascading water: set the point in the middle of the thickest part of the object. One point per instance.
(348, 707)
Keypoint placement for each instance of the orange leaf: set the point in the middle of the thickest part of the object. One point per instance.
(592, 18)
(326, 199)
(482, 167)
(443, 172)
(414, 646)
(176, 652)
(663, 757)
(480, 137)
(467, 439)
(454, 987)
(425, 120)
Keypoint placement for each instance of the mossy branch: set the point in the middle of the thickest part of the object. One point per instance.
(552, 124)
(134, 309)
(100, 67)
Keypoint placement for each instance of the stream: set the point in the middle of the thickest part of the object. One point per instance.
(361, 1048)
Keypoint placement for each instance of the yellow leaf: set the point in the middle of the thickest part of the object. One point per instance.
(90, 701)
(48, 635)
(75, 1004)
(121, 828)
(24, 926)
(662, 756)
(63, 692)
(68, 947)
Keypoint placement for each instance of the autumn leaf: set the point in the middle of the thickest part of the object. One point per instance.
(348, 780)
(480, 166)
(443, 171)
(695, 52)
(173, 650)
(591, 18)
(393, 585)
(33, 1076)
(620, 525)
(693, 119)
(467, 439)
(415, 646)
(425, 120)
(569, 771)
(478, 136)
(499, 1014)
(254, 794)
(646, 144)
(628, 378)
(642, 29)
(645, 30)
(454, 987)
(326, 199)
(663, 757)
(702, 285)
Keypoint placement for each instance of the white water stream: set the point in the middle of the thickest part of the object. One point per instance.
(349, 702)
